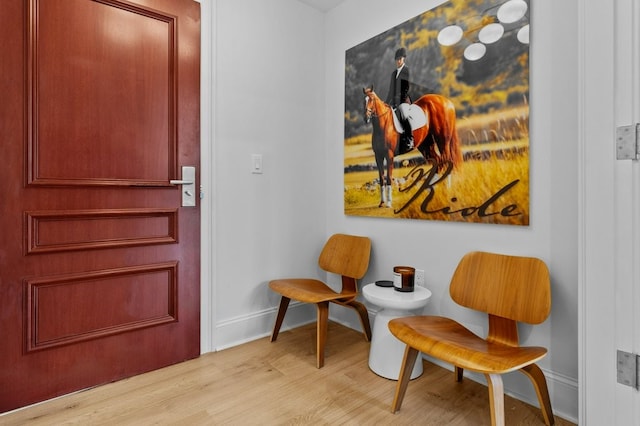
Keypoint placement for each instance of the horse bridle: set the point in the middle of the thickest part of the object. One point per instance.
(371, 113)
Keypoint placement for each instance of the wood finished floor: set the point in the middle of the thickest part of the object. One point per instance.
(263, 383)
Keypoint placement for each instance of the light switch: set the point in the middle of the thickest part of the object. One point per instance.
(256, 163)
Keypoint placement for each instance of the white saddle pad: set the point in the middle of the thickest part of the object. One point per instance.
(416, 116)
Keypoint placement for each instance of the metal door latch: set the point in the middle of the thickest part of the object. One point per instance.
(188, 183)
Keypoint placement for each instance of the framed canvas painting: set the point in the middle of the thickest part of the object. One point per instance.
(437, 117)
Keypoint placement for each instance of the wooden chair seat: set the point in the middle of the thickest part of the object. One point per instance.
(345, 255)
(450, 341)
(308, 290)
(509, 289)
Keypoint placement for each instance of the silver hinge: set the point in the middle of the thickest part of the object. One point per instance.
(628, 369)
(627, 142)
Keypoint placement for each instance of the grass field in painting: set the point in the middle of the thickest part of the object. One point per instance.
(492, 186)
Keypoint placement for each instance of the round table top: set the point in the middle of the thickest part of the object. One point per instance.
(389, 297)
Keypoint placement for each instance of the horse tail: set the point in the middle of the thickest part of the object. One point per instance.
(456, 149)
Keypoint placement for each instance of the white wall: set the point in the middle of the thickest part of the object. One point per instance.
(279, 91)
(269, 100)
(436, 247)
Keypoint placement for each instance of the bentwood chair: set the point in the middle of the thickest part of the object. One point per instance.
(509, 289)
(345, 255)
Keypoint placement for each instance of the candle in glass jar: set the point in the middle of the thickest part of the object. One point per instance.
(403, 278)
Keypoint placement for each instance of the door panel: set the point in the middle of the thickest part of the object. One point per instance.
(99, 263)
(121, 61)
(65, 309)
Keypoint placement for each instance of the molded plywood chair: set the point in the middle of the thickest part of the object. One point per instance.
(345, 255)
(509, 289)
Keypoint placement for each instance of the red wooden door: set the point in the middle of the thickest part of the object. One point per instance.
(99, 262)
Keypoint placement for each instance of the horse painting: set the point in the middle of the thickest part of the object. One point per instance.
(436, 137)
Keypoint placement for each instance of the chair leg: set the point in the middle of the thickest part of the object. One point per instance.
(364, 317)
(496, 399)
(284, 304)
(321, 331)
(540, 385)
(410, 355)
(459, 372)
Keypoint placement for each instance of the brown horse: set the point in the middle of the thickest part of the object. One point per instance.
(437, 141)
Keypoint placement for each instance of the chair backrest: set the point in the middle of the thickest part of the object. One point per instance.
(512, 287)
(346, 255)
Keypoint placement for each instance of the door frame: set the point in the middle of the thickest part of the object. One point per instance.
(207, 177)
(609, 201)
(627, 207)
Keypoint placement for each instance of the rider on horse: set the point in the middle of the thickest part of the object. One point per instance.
(398, 98)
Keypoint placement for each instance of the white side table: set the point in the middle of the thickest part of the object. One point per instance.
(386, 352)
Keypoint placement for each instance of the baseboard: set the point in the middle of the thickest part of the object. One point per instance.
(246, 328)
(243, 329)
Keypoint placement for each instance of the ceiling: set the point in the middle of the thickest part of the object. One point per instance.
(322, 5)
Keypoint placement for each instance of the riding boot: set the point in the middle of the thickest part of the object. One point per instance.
(408, 136)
